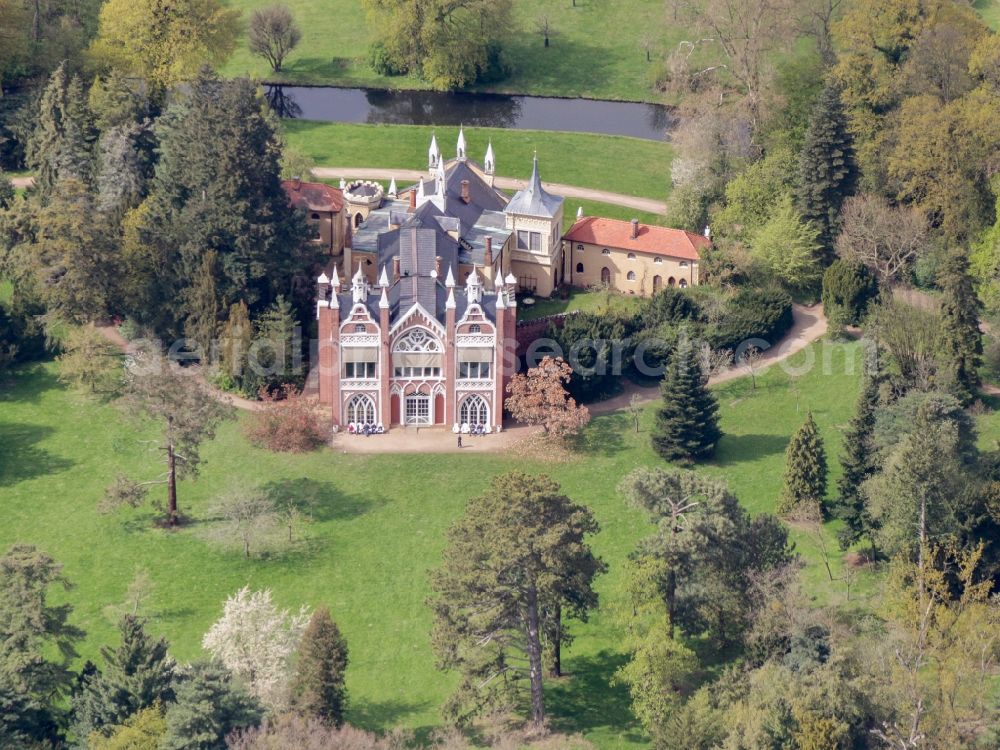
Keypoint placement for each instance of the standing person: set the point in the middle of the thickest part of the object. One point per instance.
(460, 440)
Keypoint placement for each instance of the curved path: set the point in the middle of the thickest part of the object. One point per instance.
(508, 183)
(808, 324)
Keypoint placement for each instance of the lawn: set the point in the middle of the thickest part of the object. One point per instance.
(631, 166)
(990, 11)
(598, 302)
(596, 51)
(379, 527)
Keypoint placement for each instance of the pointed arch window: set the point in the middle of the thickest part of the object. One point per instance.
(361, 408)
(474, 411)
(418, 340)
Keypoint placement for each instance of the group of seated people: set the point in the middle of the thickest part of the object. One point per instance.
(365, 428)
(471, 429)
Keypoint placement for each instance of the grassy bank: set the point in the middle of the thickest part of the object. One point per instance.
(378, 527)
(595, 51)
(622, 165)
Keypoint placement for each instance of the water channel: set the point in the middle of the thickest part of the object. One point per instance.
(374, 106)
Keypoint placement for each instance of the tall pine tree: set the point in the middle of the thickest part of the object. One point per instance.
(805, 470)
(318, 687)
(137, 674)
(858, 463)
(961, 342)
(62, 143)
(827, 170)
(687, 425)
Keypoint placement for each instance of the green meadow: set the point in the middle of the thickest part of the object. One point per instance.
(378, 526)
(596, 50)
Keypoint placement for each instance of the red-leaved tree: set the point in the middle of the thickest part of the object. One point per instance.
(539, 397)
(287, 422)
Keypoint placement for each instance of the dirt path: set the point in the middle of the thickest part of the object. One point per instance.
(22, 182)
(508, 183)
(808, 324)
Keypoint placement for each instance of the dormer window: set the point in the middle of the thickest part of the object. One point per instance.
(631, 256)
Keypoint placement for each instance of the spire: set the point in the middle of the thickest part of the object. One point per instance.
(359, 276)
(392, 188)
(579, 213)
(383, 302)
(489, 163)
(501, 305)
(450, 279)
(359, 288)
(450, 303)
(535, 185)
(323, 279)
(383, 280)
(460, 147)
(433, 153)
(420, 192)
(474, 287)
(335, 279)
(511, 279)
(440, 178)
(343, 183)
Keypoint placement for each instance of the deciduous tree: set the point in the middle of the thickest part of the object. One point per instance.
(789, 249)
(273, 34)
(91, 362)
(247, 517)
(521, 547)
(884, 238)
(539, 397)
(164, 43)
(255, 640)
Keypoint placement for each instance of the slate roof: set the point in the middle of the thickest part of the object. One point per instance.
(534, 200)
(675, 243)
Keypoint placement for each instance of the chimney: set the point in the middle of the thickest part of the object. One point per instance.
(465, 191)
(488, 255)
(635, 228)
(395, 268)
(437, 266)
(413, 201)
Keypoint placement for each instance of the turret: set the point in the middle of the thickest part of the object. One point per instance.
(490, 163)
(393, 193)
(460, 146)
(433, 154)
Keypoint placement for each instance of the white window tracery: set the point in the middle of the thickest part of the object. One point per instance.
(418, 340)
(474, 411)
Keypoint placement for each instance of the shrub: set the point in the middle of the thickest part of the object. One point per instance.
(382, 62)
(287, 423)
(848, 287)
(752, 313)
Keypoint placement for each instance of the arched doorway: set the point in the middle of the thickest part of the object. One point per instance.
(684, 283)
(361, 409)
(358, 218)
(439, 409)
(657, 283)
(671, 281)
(394, 408)
(474, 411)
(605, 275)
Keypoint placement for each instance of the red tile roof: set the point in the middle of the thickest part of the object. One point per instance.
(313, 196)
(612, 233)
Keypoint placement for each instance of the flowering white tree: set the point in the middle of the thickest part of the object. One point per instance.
(256, 641)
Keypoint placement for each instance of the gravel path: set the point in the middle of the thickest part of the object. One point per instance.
(507, 183)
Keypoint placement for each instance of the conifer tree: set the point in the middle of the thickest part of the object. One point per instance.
(961, 342)
(805, 470)
(318, 686)
(202, 321)
(209, 706)
(858, 463)
(827, 170)
(687, 425)
(61, 145)
(237, 336)
(136, 675)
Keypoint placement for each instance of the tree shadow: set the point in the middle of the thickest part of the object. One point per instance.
(20, 456)
(27, 384)
(736, 449)
(378, 716)
(603, 436)
(318, 500)
(585, 699)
